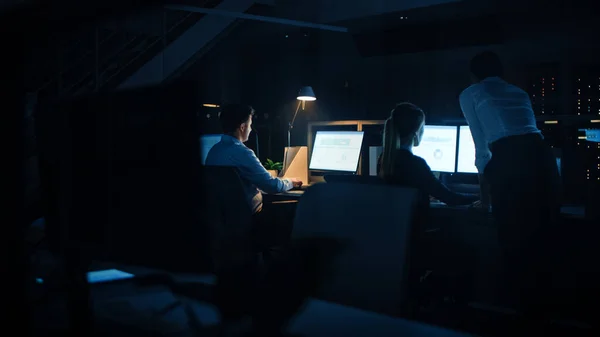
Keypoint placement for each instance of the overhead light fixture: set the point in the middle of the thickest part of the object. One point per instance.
(206, 105)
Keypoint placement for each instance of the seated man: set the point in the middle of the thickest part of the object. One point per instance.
(398, 165)
(236, 121)
(235, 287)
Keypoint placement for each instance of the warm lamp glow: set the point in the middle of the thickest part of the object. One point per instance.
(306, 98)
(306, 94)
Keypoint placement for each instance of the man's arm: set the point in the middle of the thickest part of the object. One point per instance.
(251, 169)
(482, 152)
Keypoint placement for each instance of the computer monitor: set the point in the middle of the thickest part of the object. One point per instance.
(336, 151)
(206, 143)
(466, 151)
(438, 147)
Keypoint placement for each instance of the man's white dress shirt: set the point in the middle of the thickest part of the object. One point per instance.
(232, 152)
(495, 109)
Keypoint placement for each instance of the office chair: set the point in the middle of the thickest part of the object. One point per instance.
(229, 215)
(375, 222)
(355, 179)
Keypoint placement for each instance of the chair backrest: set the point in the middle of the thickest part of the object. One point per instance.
(229, 215)
(375, 223)
(354, 179)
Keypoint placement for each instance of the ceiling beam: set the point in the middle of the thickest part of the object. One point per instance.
(261, 18)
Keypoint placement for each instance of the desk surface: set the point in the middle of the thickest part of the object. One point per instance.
(317, 318)
(568, 211)
(326, 319)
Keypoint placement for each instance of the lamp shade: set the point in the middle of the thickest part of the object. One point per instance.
(306, 94)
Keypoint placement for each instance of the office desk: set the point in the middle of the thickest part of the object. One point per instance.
(290, 195)
(475, 231)
(320, 318)
(440, 209)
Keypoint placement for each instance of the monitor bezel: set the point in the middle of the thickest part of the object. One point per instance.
(312, 152)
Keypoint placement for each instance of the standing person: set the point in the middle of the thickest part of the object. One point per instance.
(519, 166)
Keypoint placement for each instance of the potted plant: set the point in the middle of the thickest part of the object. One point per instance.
(273, 167)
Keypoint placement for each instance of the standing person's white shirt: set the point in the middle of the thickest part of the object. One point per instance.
(495, 109)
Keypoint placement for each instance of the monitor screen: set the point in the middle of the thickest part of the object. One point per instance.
(466, 151)
(108, 275)
(336, 151)
(438, 147)
(206, 143)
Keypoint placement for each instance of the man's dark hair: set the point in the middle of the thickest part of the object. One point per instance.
(232, 115)
(486, 64)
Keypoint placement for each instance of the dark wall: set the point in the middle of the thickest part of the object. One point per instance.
(265, 68)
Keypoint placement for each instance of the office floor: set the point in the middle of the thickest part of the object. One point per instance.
(123, 310)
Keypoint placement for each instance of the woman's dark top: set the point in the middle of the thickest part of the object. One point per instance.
(413, 171)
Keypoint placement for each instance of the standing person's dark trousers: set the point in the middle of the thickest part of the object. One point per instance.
(525, 188)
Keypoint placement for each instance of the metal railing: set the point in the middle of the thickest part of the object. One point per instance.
(207, 47)
(120, 60)
(148, 48)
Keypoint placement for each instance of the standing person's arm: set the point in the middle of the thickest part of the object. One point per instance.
(482, 152)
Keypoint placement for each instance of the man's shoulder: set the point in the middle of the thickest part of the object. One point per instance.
(467, 92)
(229, 152)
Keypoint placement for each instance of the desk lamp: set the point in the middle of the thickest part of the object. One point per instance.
(305, 94)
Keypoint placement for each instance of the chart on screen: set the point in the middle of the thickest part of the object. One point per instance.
(438, 147)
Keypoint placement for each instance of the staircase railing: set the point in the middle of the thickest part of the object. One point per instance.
(151, 49)
(115, 55)
(202, 52)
